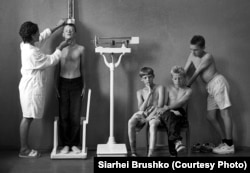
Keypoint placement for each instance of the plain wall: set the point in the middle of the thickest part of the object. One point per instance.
(165, 28)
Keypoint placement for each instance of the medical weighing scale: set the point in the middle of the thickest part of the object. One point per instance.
(110, 46)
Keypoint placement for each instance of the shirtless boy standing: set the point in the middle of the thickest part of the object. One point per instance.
(218, 92)
(149, 98)
(70, 90)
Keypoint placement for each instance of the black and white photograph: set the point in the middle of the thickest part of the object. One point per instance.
(89, 86)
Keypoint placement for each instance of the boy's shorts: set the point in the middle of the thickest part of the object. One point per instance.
(218, 93)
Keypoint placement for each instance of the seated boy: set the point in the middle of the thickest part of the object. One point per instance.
(149, 99)
(173, 113)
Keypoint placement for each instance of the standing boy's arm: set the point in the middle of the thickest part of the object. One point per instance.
(56, 78)
(181, 101)
(161, 99)
(188, 63)
(205, 62)
(161, 110)
(82, 70)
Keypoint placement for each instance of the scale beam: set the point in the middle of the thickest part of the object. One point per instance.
(113, 50)
(115, 41)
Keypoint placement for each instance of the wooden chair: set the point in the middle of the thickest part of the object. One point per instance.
(184, 129)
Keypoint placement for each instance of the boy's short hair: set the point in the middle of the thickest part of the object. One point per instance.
(198, 40)
(26, 31)
(146, 71)
(72, 25)
(178, 70)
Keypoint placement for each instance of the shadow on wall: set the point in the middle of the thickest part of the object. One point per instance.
(98, 127)
(141, 54)
(197, 114)
(238, 106)
(44, 127)
(197, 111)
(98, 112)
(51, 106)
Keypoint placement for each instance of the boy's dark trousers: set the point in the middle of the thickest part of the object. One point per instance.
(173, 124)
(70, 102)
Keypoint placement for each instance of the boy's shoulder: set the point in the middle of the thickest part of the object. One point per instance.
(159, 86)
(141, 89)
(171, 87)
(79, 46)
(187, 89)
(156, 87)
(207, 56)
(140, 92)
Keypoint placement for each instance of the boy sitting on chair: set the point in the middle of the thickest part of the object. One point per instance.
(149, 99)
(70, 91)
(173, 113)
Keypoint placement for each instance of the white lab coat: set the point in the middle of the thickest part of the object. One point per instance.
(32, 86)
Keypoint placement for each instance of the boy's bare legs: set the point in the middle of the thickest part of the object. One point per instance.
(153, 125)
(211, 117)
(227, 146)
(24, 131)
(227, 119)
(132, 134)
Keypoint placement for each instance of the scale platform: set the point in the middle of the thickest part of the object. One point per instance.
(57, 155)
(111, 150)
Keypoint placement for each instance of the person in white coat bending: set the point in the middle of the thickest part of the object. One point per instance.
(33, 81)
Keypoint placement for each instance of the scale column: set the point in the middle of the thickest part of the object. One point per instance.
(111, 130)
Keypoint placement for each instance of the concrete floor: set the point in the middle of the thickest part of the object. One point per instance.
(11, 163)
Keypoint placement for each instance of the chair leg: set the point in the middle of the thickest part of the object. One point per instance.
(147, 138)
(188, 141)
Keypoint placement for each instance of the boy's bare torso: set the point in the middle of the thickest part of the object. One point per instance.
(71, 61)
(176, 94)
(154, 99)
(210, 71)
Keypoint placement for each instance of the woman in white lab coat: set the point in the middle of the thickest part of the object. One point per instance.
(33, 81)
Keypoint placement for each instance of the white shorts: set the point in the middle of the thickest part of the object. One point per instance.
(218, 93)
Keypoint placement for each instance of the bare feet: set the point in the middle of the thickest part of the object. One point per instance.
(65, 150)
(76, 150)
